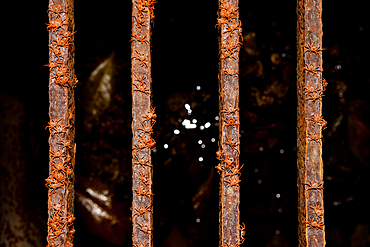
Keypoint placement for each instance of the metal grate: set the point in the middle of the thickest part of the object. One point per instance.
(310, 88)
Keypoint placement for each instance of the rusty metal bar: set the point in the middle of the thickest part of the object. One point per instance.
(310, 88)
(143, 119)
(62, 123)
(230, 231)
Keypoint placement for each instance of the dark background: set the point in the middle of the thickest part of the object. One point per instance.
(185, 55)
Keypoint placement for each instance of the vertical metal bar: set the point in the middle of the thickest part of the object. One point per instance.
(143, 119)
(62, 133)
(230, 231)
(310, 88)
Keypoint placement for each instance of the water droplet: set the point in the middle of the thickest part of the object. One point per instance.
(277, 232)
(213, 140)
(197, 220)
(176, 131)
(194, 121)
(260, 149)
(201, 127)
(259, 181)
(187, 106)
(200, 142)
(207, 125)
(281, 151)
(283, 55)
(203, 146)
(165, 146)
(280, 210)
(198, 87)
(154, 150)
(217, 118)
(200, 159)
(277, 195)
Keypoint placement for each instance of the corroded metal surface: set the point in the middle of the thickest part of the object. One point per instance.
(61, 126)
(310, 88)
(230, 230)
(143, 119)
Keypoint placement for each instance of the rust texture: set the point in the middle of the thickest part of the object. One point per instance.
(310, 88)
(230, 231)
(143, 119)
(62, 150)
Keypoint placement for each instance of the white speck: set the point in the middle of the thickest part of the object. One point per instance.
(99, 196)
(207, 125)
(277, 195)
(280, 210)
(197, 220)
(198, 87)
(340, 95)
(154, 150)
(176, 131)
(188, 125)
(338, 67)
(203, 146)
(200, 142)
(200, 159)
(165, 146)
(286, 48)
(185, 122)
(187, 106)
(283, 55)
(189, 112)
(217, 118)
(277, 232)
(213, 140)
(261, 149)
(259, 181)
(256, 170)
(194, 121)
(336, 203)
(191, 126)
(201, 127)
(281, 151)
